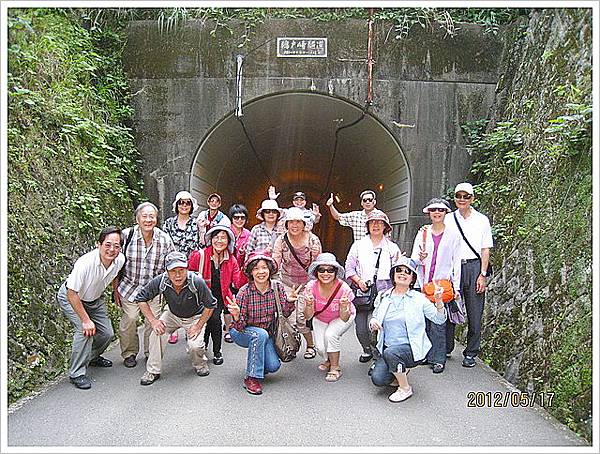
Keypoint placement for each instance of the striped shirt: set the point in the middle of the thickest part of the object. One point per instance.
(260, 238)
(143, 263)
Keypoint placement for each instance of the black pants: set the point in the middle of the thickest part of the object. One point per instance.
(474, 304)
(214, 329)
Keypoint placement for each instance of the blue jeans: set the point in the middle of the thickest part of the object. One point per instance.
(397, 358)
(262, 357)
(437, 336)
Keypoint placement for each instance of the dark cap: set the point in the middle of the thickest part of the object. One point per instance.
(299, 195)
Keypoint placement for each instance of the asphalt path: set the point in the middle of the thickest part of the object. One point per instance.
(298, 408)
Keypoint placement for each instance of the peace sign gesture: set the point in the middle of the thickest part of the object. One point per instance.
(295, 292)
(233, 308)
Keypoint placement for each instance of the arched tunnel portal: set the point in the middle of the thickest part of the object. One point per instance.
(288, 139)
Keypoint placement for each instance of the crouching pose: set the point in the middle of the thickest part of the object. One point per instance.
(189, 305)
(254, 311)
(399, 316)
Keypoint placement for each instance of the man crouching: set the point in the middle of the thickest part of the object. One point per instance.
(189, 305)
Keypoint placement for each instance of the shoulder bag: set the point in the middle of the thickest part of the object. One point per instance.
(286, 337)
(429, 287)
(489, 270)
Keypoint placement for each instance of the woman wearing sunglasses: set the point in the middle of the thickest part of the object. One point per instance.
(328, 302)
(263, 235)
(436, 250)
(183, 230)
(399, 318)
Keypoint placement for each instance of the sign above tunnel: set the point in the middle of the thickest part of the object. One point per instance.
(302, 47)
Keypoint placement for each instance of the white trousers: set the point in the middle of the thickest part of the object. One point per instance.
(328, 336)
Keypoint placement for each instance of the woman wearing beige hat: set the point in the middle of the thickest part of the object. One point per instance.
(263, 235)
(328, 302)
(367, 268)
(293, 252)
(183, 230)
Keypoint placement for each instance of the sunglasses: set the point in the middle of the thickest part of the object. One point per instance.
(267, 211)
(367, 200)
(329, 269)
(185, 202)
(462, 197)
(439, 210)
(239, 216)
(402, 269)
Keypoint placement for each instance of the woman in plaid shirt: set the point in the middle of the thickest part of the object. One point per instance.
(253, 312)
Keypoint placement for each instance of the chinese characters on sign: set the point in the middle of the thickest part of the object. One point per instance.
(302, 47)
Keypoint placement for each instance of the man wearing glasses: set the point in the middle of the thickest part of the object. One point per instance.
(81, 297)
(476, 241)
(356, 220)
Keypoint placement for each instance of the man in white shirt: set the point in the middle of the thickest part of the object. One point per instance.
(81, 299)
(476, 242)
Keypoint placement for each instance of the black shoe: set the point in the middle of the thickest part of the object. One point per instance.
(365, 357)
(438, 368)
(371, 369)
(148, 378)
(82, 382)
(130, 361)
(101, 362)
(468, 361)
(218, 359)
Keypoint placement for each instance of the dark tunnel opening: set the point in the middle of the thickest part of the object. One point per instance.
(289, 142)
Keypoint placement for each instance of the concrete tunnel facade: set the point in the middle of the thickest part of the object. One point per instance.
(408, 147)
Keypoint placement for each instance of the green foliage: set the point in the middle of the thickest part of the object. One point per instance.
(72, 171)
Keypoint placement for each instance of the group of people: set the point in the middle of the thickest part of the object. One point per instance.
(216, 280)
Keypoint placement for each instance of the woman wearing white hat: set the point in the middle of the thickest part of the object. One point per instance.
(367, 265)
(293, 252)
(328, 302)
(399, 318)
(182, 229)
(436, 251)
(219, 268)
(263, 235)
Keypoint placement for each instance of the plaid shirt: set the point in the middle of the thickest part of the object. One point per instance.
(143, 263)
(260, 238)
(185, 240)
(357, 220)
(258, 309)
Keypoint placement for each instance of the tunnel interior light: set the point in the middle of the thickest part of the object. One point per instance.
(380, 186)
(337, 199)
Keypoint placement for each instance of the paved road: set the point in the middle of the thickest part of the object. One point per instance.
(297, 409)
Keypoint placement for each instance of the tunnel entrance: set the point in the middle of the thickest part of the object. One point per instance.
(287, 139)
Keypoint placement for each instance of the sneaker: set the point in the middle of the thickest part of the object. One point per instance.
(203, 371)
(227, 338)
(130, 361)
(218, 359)
(448, 355)
(438, 368)
(400, 394)
(173, 338)
(468, 361)
(371, 368)
(365, 357)
(252, 385)
(148, 378)
(101, 362)
(81, 382)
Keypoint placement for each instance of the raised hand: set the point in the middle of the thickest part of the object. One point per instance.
(315, 209)
(422, 254)
(329, 200)
(272, 194)
(232, 307)
(295, 292)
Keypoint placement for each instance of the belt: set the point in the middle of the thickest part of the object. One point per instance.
(463, 261)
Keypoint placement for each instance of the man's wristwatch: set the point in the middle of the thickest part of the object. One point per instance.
(484, 273)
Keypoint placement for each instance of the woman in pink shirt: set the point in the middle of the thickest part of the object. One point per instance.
(328, 303)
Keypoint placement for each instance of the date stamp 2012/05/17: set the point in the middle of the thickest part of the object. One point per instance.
(480, 399)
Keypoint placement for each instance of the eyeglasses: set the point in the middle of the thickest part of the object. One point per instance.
(329, 269)
(402, 269)
(440, 210)
(112, 246)
(184, 202)
(367, 199)
(462, 197)
(239, 216)
(148, 216)
(268, 211)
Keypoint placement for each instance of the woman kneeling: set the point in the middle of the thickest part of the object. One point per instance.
(254, 311)
(399, 318)
(327, 300)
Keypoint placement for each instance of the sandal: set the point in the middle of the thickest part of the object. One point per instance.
(333, 375)
(324, 366)
(310, 353)
(227, 338)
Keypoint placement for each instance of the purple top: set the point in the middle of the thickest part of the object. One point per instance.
(436, 243)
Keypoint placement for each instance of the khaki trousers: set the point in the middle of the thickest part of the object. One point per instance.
(128, 332)
(297, 318)
(195, 347)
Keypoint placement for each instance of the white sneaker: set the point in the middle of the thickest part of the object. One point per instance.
(400, 395)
